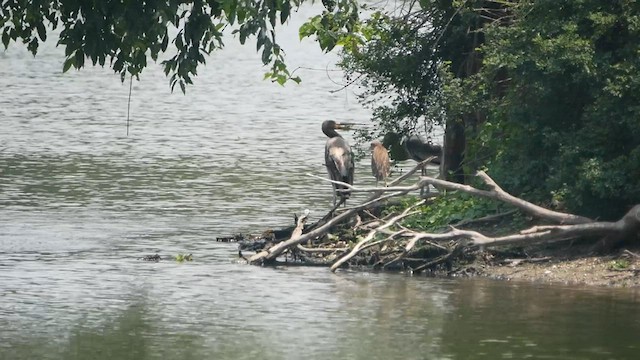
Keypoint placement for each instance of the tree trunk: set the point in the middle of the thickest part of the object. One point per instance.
(454, 145)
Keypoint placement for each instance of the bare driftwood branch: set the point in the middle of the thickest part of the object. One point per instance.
(439, 260)
(388, 188)
(484, 218)
(320, 250)
(496, 192)
(570, 226)
(623, 228)
(632, 254)
(516, 262)
(356, 249)
(273, 252)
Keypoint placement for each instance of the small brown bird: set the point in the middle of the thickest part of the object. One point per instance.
(380, 163)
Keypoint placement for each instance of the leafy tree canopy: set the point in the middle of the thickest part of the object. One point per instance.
(567, 114)
(125, 33)
(402, 58)
(547, 90)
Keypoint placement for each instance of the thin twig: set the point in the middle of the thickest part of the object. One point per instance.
(485, 218)
(129, 101)
(356, 249)
(320, 250)
(632, 254)
(438, 260)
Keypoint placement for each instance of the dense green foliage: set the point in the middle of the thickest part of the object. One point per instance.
(395, 60)
(451, 209)
(547, 91)
(567, 121)
(125, 34)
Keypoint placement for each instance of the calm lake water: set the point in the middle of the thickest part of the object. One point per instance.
(81, 202)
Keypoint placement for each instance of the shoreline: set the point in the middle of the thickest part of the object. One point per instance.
(619, 269)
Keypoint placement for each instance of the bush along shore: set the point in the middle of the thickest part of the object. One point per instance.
(460, 230)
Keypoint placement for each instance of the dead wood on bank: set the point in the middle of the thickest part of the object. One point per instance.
(319, 230)
(357, 236)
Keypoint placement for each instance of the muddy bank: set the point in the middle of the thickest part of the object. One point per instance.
(573, 265)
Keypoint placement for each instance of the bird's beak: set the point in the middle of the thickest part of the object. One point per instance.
(346, 126)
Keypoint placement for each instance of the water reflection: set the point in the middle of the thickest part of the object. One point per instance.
(494, 321)
(360, 316)
(236, 148)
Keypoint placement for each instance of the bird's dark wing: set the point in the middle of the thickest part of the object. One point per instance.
(419, 150)
(332, 169)
(339, 152)
(349, 179)
(339, 162)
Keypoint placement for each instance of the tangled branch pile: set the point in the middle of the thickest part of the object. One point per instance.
(359, 235)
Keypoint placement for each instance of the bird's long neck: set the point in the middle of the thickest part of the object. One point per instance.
(330, 132)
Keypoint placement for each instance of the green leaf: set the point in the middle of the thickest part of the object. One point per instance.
(165, 42)
(260, 41)
(285, 12)
(266, 52)
(42, 32)
(67, 64)
(5, 38)
(310, 27)
(241, 14)
(272, 17)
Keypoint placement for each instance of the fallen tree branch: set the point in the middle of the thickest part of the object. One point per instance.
(439, 260)
(632, 254)
(274, 251)
(516, 262)
(570, 226)
(390, 237)
(497, 193)
(388, 188)
(320, 250)
(356, 249)
(484, 218)
(409, 246)
(623, 228)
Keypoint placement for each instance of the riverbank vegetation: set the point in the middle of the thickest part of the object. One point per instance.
(461, 230)
(541, 94)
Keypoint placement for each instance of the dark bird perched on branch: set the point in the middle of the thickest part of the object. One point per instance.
(394, 144)
(338, 158)
(380, 163)
(419, 151)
